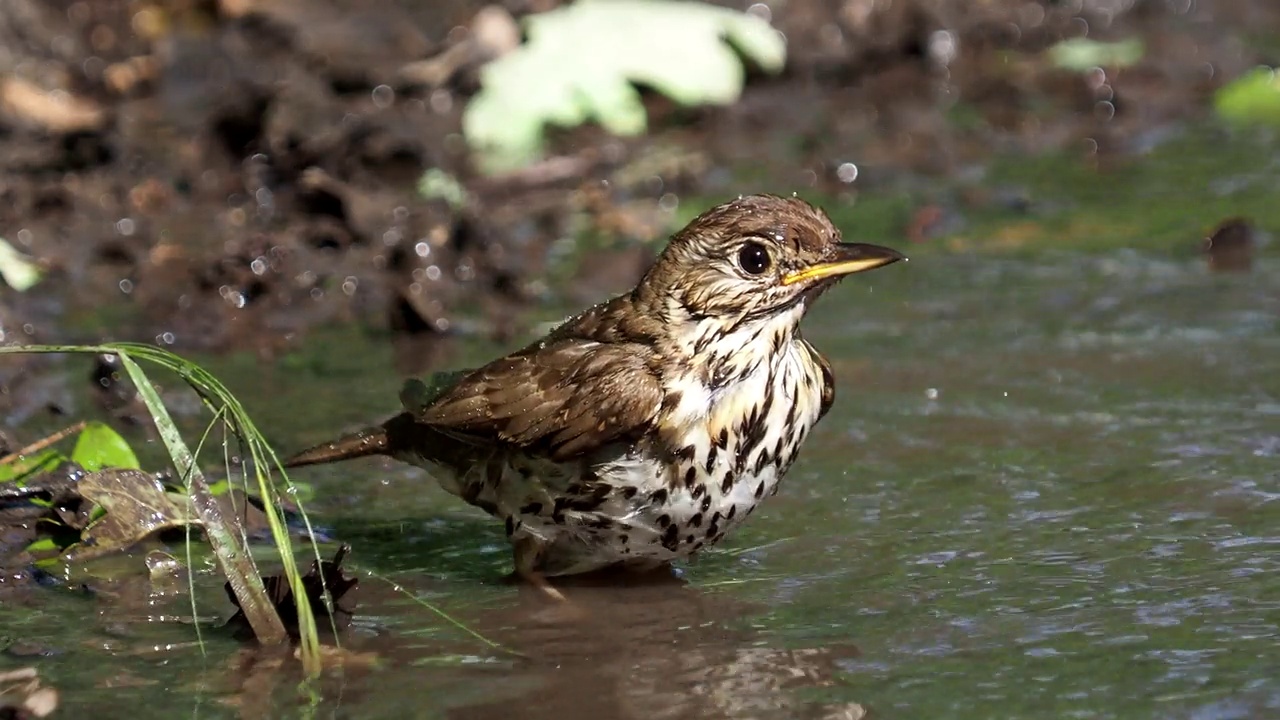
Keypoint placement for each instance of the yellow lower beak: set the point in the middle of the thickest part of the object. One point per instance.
(850, 258)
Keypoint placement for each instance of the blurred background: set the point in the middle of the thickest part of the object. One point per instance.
(1049, 485)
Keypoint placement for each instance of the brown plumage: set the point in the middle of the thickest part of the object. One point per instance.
(644, 428)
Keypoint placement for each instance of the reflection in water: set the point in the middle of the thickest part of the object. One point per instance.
(660, 650)
(644, 649)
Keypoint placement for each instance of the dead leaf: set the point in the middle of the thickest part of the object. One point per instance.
(136, 506)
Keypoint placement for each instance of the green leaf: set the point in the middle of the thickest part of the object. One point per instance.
(436, 184)
(583, 61)
(1251, 98)
(22, 468)
(1081, 54)
(44, 545)
(100, 447)
(17, 269)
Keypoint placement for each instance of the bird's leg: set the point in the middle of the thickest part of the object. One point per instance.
(528, 555)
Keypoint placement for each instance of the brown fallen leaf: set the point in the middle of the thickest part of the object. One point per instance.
(136, 505)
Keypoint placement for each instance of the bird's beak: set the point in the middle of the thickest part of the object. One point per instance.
(849, 258)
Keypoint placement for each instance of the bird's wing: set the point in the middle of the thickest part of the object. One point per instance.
(828, 381)
(563, 399)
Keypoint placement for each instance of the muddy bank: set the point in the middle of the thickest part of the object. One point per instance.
(218, 176)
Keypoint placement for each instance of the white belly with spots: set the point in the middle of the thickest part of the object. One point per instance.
(716, 480)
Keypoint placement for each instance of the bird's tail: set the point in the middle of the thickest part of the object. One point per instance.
(376, 440)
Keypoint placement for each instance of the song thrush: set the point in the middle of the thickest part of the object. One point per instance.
(647, 427)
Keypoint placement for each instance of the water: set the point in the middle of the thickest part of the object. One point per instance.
(1048, 488)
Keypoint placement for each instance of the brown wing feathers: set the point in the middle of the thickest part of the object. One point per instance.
(566, 398)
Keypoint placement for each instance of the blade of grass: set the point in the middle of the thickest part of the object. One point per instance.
(215, 394)
(216, 397)
(445, 616)
(233, 557)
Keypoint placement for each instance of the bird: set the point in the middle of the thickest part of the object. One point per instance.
(646, 428)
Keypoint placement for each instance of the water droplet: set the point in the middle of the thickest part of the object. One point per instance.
(761, 11)
(383, 96)
(847, 172)
(931, 393)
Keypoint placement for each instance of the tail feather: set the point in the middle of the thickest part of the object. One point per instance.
(402, 437)
(366, 442)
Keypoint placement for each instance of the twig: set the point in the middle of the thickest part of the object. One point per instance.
(41, 444)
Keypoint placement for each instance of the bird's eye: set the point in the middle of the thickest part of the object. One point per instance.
(754, 258)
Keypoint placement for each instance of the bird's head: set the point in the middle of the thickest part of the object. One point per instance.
(757, 256)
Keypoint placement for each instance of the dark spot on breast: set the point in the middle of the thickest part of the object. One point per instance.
(760, 490)
(532, 508)
(511, 526)
(671, 538)
(557, 511)
(762, 461)
(600, 522)
(699, 490)
(688, 452)
(706, 503)
(586, 504)
(526, 472)
(711, 459)
(629, 492)
(733, 510)
(696, 520)
(664, 520)
(690, 475)
(486, 506)
(689, 539)
(624, 538)
(673, 399)
(697, 546)
(658, 497)
(713, 529)
(727, 484)
(723, 440)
